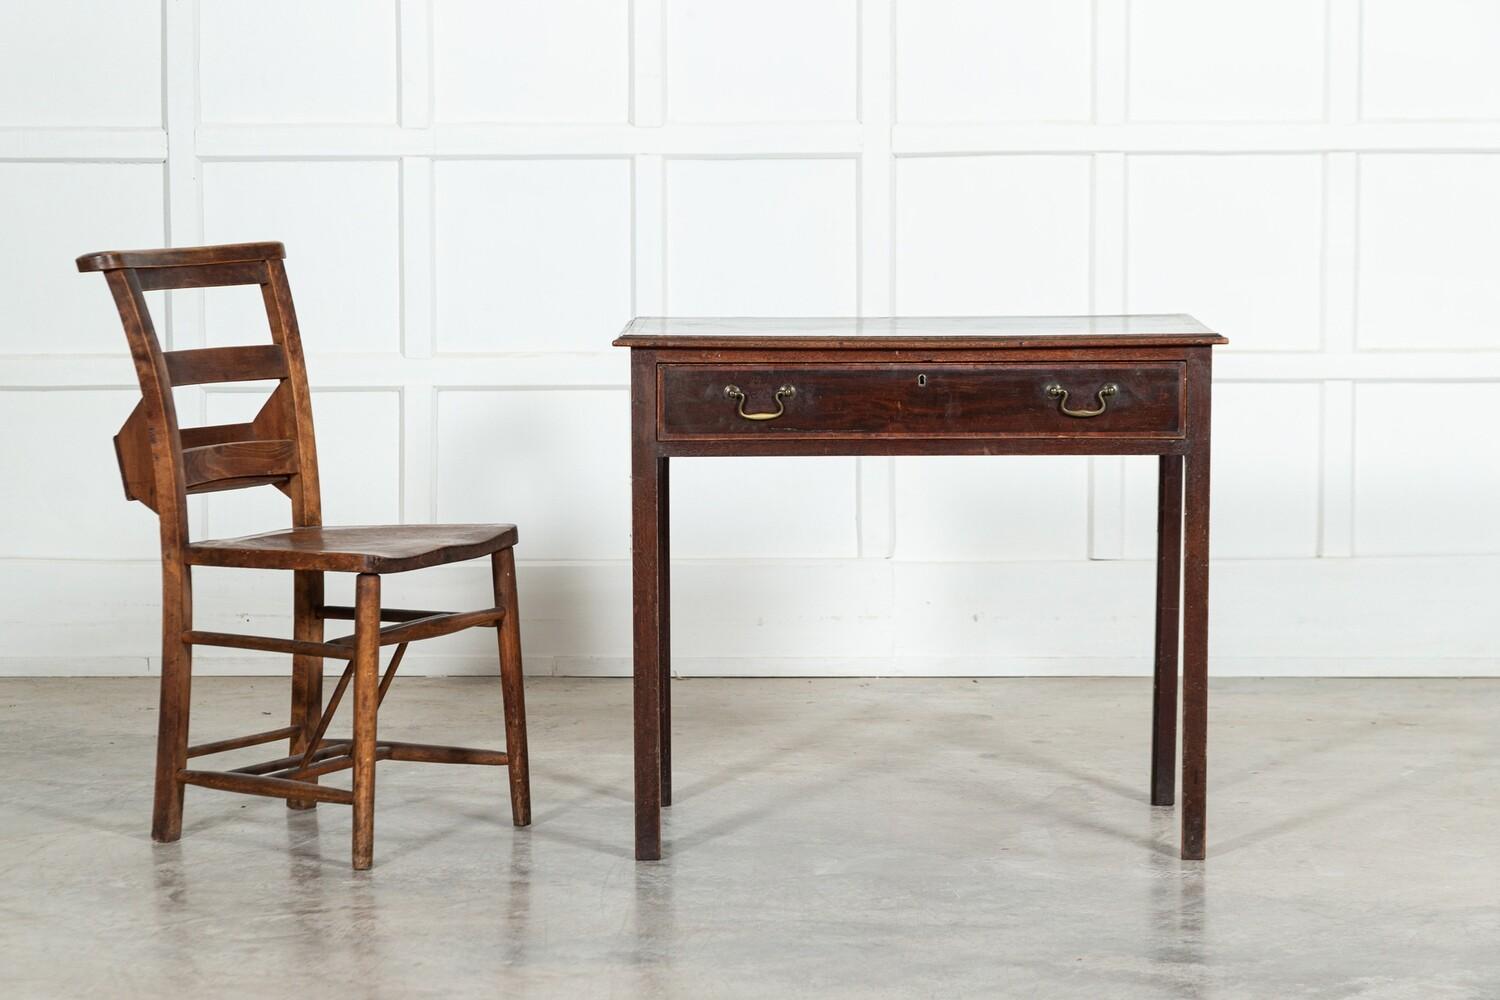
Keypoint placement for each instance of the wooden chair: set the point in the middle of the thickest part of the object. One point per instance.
(162, 464)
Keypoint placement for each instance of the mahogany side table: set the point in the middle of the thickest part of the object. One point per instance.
(1053, 385)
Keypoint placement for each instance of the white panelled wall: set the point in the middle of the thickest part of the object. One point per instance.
(476, 196)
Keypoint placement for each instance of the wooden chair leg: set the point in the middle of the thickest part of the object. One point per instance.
(366, 701)
(503, 569)
(307, 671)
(176, 696)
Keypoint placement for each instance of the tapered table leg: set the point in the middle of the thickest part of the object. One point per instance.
(1195, 654)
(664, 628)
(650, 709)
(1168, 613)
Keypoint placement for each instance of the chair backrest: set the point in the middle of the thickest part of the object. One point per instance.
(162, 463)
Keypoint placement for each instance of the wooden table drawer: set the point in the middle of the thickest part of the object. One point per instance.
(1023, 399)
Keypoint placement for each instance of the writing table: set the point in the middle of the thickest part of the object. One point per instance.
(1014, 385)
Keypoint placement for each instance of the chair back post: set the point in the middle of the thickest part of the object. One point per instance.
(304, 489)
(156, 414)
(161, 463)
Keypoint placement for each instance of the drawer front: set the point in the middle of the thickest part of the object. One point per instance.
(921, 400)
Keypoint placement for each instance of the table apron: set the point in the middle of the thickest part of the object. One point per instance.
(845, 445)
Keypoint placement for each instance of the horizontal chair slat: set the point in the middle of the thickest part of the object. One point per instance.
(335, 757)
(207, 365)
(429, 628)
(238, 460)
(255, 784)
(328, 748)
(252, 272)
(237, 483)
(322, 766)
(428, 753)
(234, 743)
(199, 437)
(268, 643)
(344, 613)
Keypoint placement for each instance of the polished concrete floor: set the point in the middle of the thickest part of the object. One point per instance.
(831, 839)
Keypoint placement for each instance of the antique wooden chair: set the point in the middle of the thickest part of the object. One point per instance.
(162, 464)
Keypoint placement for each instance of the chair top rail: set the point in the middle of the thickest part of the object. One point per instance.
(228, 253)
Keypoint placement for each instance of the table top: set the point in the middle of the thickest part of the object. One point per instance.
(852, 332)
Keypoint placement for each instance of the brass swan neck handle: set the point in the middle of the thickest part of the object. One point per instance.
(1057, 392)
(783, 393)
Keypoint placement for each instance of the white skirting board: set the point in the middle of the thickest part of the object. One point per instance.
(1316, 617)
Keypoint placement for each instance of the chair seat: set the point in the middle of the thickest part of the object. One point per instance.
(387, 548)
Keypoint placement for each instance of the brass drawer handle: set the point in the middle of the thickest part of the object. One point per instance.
(1057, 392)
(784, 392)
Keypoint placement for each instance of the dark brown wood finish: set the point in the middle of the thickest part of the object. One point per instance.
(1168, 612)
(919, 400)
(366, 686)
(836, 333)
(162, 463)
(664, 622)
(439, 623)
(256, 363)
(512, 693)
(929, 386)
(307, 668)
(182, 257)
(646, 520)
(203, 275)
(395, 548)
(1195, 613)
(236, 742)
